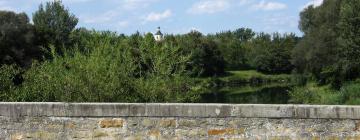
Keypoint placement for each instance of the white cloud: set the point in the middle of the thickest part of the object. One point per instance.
(64, 1)
(124, 4)
(153, 16)
(269, 6)
(74, 1)
(315, 3)
(281, 20)
(135, 4)
(5, 6)
(278, 22)
(102, 18)
(184, 30)
(245, 2)
(123, 23)
(209, 6)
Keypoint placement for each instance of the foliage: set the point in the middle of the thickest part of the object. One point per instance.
(350, 93)
(272, 54)
(7, 78)
(349, 40)
(244, 34)
(206, 59)
(329, 49)
(17, 39)
(254, 77)
(314, 94)
(231, 45)
(53, 24)
(106, 74)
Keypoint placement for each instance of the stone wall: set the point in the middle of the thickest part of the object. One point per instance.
(59, 121)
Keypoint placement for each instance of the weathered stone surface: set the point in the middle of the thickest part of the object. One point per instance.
(17, 110)
(41, 121)
(168, 123)
(107, 123)
(228, 131)
(187, 123)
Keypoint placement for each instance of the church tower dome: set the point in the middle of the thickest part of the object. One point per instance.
(158, 36)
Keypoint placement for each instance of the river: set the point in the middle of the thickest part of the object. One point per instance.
(265, 94)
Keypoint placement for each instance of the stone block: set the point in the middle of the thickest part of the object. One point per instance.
(108, 123)
(168, 123)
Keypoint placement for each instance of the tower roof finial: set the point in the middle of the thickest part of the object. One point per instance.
(158, 31)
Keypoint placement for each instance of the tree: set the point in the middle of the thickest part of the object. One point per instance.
(349, 41)
(244, 34)
(17, 39)
(272, 54)
(53, 24)
(317, 53)
(206, 59)
(231, 45)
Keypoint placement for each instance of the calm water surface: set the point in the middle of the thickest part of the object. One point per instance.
(242, 95)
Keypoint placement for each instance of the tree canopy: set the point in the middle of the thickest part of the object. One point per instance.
(54, 24)
(17, 39)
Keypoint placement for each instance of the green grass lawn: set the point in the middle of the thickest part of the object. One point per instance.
(248, 76)
(249, 88)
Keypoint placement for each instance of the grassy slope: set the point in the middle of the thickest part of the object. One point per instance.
(311, 93)
(249, 75)
(248, 88)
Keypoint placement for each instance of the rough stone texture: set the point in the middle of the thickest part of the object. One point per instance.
(59, 121)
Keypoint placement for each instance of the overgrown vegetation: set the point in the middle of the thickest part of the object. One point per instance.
(329, 52)
(349, 94)
(110, 72)
(51, 60)
(253, 77)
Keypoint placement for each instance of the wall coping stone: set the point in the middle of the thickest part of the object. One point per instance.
(51, 109)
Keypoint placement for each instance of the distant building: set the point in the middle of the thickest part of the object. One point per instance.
(158, 36)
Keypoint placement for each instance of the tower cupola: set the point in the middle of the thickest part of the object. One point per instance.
(158, 36)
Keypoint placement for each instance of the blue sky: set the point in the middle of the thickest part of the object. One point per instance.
(178, 16)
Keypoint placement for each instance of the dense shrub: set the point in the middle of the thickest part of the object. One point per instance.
(349, 94)
(106, 74)
(8, 74)
(17, 40)
(330, 48)
(272, 53)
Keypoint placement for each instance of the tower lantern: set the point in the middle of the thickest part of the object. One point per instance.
(158, 35)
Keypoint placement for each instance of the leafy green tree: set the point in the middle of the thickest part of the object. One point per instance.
(272, 54)
(54, 24)
(206, 59)
(107, 74)
(349, 25)
(17, 40)
(317, 53)
(231, 48)
(244, 34)
(7, 78)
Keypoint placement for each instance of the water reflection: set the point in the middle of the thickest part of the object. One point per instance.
(249, 95)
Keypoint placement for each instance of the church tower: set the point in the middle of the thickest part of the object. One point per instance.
(158, 36)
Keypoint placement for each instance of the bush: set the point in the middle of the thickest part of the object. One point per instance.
(107, 74)
(314, 94)
(351, 93)
(302, 95)
(8, 74)
(272, 54)
(206, 60)
(17, 40)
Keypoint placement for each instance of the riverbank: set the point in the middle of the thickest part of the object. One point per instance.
(312, 93)
(248, 87)
(252, 77)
